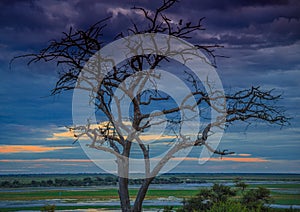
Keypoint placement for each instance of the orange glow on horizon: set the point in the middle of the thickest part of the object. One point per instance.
(45, 160)
(232, 159)
(244, 155)
(7, 149)
(57, 160)
(242, 160)
(70, 135)
(61, 135)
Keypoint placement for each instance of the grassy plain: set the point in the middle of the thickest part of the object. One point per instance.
(101, 194)
(112, 193)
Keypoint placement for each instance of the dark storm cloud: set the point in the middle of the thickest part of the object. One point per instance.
(25, 23)
(236, 23)
(228, 4)
(249, 23)
(264, 32)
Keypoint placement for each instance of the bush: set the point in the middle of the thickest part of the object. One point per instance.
(168, 209)
(256, 198)
(219, 199)
(228, 206)
(206, 198)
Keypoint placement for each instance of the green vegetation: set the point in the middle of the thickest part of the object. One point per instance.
(207, 198)
(281, 192)
(286, 199)
(65, 180)
(48, 208)
(57, 208)
(166, 208)
(277, 186)
(20, 181)
(103, 194)
(221, 198)
(228, 206)
(75, 180)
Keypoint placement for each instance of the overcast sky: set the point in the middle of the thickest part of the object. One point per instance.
(261, 39)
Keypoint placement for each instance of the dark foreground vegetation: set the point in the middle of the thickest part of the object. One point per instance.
(225, 198)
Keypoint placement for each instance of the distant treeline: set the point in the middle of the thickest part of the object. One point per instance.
(98, 179)
(86, 181)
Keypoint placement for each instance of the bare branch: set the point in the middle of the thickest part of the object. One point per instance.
(255, 104)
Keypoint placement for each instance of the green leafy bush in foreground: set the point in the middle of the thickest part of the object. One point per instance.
(221, 198)
(228, 206)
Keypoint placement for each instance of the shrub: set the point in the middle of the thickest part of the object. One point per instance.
(228, 206)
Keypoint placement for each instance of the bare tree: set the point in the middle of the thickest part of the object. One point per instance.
(114, 135)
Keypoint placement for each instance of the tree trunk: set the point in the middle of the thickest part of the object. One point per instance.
(141, 195)
(123, 168)
(124, 194)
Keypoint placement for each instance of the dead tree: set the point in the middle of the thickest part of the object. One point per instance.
(115, 137)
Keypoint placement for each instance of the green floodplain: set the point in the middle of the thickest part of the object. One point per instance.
(89, 188)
